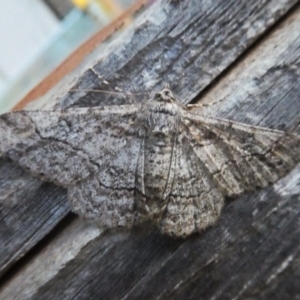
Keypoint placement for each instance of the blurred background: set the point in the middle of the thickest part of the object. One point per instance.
(36, 36)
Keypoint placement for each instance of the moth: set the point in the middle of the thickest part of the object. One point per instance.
(158, 161)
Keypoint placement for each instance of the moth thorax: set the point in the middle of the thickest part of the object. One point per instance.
(162, 118)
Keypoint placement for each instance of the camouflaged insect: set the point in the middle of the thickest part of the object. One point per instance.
(158, 161)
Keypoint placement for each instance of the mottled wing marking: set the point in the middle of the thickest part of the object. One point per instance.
(104, 206)
(69, 144)
(241, 157)
(92, 151)
(49, 159)
(195, 201)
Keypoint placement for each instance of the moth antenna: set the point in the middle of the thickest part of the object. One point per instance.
(99, 91)
(110, 92)
(118, 91)
(99, 76)
(205, 104)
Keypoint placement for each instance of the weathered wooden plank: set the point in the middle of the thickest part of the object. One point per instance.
(24, 217)
(170, 43)
(253, 251)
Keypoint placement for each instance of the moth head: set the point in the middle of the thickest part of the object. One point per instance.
(165, 95)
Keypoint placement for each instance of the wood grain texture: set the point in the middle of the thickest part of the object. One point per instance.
(25, 219)
(172, 43)
(253, 251)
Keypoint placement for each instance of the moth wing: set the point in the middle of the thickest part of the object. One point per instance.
(195, 201)
(67, 146)
(92, 151)
(241, 157)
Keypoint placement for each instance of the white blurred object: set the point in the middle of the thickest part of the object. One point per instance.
(24, 27)
(33, 42)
